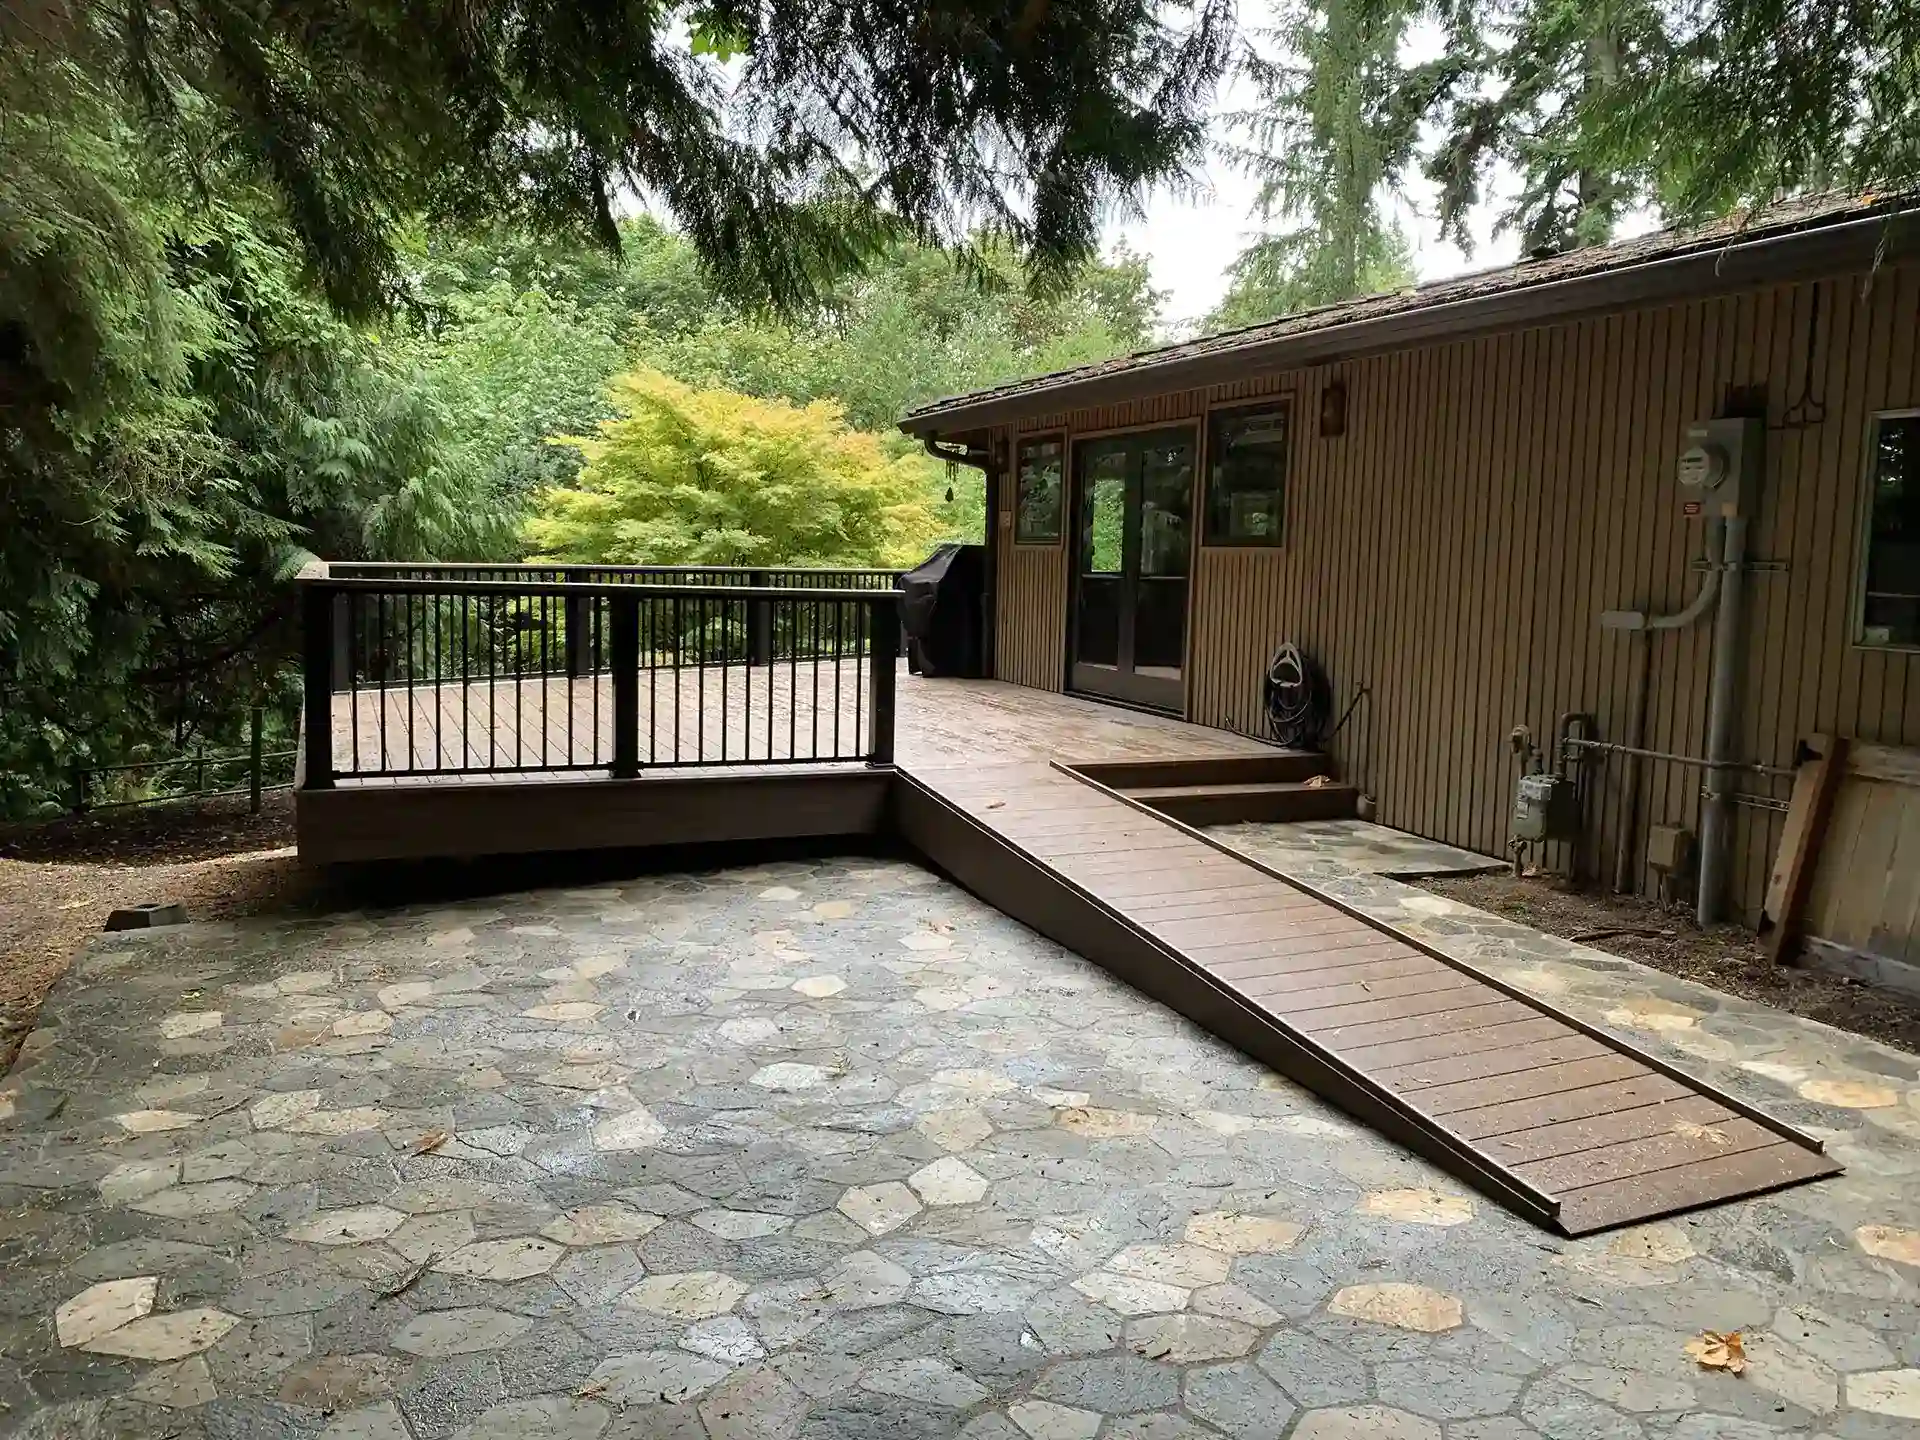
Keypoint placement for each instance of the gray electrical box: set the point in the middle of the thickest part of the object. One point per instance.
(1546, 807)
(1720, 467)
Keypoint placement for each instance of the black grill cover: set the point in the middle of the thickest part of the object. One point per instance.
(941, 607)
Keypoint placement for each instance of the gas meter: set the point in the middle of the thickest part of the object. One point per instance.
(1546, 807)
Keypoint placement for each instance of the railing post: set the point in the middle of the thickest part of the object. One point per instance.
(254, 744)
(317, 642)
(342, 678)
(578, 613)
(884, 629)
(759, 624)
(623, 643)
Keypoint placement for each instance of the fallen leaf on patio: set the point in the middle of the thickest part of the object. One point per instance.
(1319, 782)
(588, 1392)
(1701, 1132)
(993, 805)
(431, 1141)
(1714, 1351)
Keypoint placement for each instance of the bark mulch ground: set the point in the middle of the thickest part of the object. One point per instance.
(1725, 958)
(59, 881)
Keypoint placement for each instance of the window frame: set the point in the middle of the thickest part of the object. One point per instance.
(1020, 445)
(1863, 557)
(1284, 403)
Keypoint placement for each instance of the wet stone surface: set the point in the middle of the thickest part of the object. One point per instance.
(831, 1150)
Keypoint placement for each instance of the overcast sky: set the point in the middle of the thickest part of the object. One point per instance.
(1189, 241)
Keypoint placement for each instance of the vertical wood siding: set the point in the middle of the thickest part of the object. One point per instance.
(1491, 497)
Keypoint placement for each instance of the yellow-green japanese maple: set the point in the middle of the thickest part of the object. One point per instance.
(711, 477)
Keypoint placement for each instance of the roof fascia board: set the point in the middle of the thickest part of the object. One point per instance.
(1800, 255)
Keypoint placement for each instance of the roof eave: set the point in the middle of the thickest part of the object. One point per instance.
(1737, 265)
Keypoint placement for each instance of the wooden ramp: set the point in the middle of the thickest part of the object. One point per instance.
(1558, 1121)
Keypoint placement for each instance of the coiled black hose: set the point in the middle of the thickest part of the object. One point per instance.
(1298, 698)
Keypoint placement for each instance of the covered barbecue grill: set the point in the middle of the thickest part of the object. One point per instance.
(941, 608)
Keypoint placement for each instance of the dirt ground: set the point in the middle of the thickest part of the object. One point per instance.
(58, 882)
(1725, 958)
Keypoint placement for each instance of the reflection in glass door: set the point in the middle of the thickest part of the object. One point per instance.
(1133, 509)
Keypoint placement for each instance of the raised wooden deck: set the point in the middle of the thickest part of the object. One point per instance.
(751, 715)
(1562, 1123)
(1558, 1121)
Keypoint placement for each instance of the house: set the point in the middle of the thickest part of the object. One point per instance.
(1473, 502)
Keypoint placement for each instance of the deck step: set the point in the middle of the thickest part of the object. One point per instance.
(1269, 801)
(1275, 767)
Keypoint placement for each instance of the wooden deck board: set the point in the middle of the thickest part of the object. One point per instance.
(539, 726)
(1594, 1133)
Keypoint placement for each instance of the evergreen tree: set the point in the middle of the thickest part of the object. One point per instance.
(1327, 142)
(788, 140)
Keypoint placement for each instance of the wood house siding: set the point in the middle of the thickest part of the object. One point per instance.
(1454, 550)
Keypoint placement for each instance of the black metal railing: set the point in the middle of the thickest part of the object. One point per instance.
(197, 774)
(414, 672)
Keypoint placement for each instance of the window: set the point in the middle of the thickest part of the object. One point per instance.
(1038, 492)
(1246, 475)
(1890, 596)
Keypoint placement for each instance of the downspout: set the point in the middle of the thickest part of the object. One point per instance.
(1642, 625)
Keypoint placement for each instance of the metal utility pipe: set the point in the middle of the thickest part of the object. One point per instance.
(1642, 626)
(1716, 819)
(1699, 761)
(1630, 782)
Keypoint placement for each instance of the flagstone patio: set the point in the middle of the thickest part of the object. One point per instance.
(831, 1150)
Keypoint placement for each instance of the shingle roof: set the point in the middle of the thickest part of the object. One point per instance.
(1740, 229)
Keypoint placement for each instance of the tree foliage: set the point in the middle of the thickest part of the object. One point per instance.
(788, 140)
(1694, 110)
(914, 327)
(1327, 138)
(711, 477)
(283, 279)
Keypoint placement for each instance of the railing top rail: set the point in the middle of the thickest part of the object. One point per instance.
(351, 568)
(609, 589)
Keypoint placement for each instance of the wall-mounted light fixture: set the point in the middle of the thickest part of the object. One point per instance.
(1333, 409)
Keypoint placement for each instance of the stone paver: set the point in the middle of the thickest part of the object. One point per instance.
(827, 1151)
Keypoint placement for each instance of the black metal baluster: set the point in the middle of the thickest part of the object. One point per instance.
(380, 691)
(700, 682)
(593, 670)
(568, 612)
(439, 679)
(678, 632)
(726, 669)
(859, 676)
(653, 679)
(493, 668)
(814, 713)
(353, 672)
(839, 646)
(537, 644)
(413, 753)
